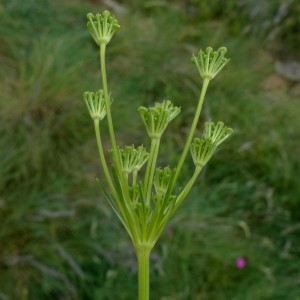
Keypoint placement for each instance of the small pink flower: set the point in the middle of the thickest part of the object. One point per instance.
(240, 263)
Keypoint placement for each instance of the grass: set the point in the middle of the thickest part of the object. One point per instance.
(58, 237)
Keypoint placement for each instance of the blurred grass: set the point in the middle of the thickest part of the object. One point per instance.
(58, 237)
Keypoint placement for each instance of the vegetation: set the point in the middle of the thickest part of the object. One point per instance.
(58, 236)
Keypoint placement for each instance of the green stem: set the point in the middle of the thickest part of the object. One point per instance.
(134, 177)
(143, 256)
(125, 212)
(187, 188)
(160, 220)
(192, 130)
(126, 176)
(116, 157)
(102, 158)
(151, 164)
(107, 106)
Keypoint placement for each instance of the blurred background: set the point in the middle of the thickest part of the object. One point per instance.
(59, 238)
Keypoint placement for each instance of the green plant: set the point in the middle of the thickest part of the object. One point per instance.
(145, 201)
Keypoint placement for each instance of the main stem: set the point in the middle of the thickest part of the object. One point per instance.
(143, 256)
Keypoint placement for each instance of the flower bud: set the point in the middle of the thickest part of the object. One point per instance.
(202, 150)
(218, 133)
(162, 179)
(132, 159)
(95, 103)
(102, 27)
(210, 63)
(157, 118)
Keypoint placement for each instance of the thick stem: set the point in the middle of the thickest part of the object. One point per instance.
(134, 177)
(143, 256)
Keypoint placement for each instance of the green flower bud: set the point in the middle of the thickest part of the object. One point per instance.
(202, 150)
(102, 27)
(132, 159)
(162, 179)
(210, 63)
(218, 133)
(95, 103)
(134, 193)
(157, 118)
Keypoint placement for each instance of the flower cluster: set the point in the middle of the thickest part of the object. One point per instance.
(162, 178)
(210, 63)
(102, 27)
(158, 117)
(132, 159)
(203, 148)
(218, 133)
(95, 103)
